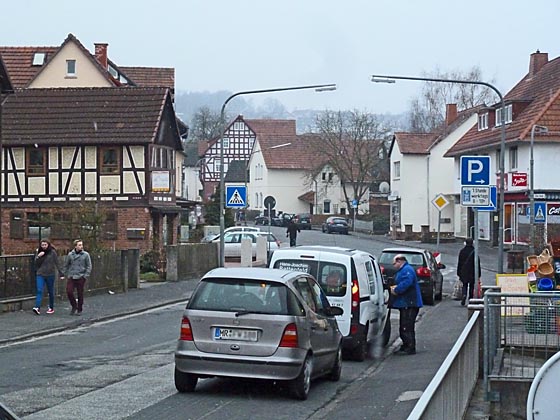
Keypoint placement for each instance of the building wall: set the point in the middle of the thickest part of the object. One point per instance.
(413, 191)
(54, 75)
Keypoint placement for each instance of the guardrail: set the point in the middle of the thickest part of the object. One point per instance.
(448, 394)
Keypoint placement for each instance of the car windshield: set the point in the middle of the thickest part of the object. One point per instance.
(245, 296)
(413, 258)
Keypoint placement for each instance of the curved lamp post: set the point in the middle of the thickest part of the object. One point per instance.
(391, 79)
(317, 88)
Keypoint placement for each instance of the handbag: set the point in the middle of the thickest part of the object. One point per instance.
(457, 293)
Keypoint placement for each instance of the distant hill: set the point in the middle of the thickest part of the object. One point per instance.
(187, 104)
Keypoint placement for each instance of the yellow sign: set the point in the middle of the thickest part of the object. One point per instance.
(440, 201)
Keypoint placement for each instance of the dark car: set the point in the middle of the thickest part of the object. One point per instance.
(286, 217)
(335, 224)
(427, 270)
(303, 221)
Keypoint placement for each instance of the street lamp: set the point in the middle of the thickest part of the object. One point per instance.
(543, 130)
(317, 88)
(391, 79)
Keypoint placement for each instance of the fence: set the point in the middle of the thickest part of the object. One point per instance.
(521, 332)
(17, 276)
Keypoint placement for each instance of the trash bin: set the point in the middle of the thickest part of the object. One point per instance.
(515, 260)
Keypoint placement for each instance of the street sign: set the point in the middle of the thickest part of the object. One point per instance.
(519, 179)
(493, 200)
(540, 212)
(475, 170)
(236, 196)
(269, 202)
(440, 202)
(475, 196)
(354, 204)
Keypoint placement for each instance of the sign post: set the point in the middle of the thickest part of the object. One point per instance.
(439, 202)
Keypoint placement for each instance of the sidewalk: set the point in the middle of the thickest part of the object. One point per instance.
(21, 325)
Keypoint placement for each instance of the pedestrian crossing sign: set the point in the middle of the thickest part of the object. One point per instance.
(236, 196)
(540, 212)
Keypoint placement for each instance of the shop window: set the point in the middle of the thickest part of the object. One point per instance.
(109, 160)
(16, 225)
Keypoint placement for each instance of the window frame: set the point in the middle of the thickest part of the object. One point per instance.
(513, 155)
(483, 121)
(71, 63)
(105, 169)
(397, 169)
(42, 167)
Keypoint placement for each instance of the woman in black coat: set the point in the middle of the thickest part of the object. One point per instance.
(465, 269)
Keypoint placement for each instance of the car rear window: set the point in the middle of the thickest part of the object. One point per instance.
(413, 258)
(330, 276)
(234, 295)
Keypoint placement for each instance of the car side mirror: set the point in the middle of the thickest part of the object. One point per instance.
(334, 311)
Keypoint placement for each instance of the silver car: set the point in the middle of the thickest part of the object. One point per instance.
(258, 323)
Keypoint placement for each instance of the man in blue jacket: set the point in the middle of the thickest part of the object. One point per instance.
(407, 298)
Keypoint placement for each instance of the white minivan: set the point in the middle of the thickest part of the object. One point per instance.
(352, 280)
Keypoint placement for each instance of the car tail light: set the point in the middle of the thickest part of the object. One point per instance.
(290, 337)
(186, 332)
(354, 329)
(423, 272)
(355, 294)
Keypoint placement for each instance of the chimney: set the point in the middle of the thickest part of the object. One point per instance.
(101, 54)
(450, 113)
(538, 60)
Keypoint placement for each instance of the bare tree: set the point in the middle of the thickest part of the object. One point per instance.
(427, 111)
(206, 124)
(349, 142)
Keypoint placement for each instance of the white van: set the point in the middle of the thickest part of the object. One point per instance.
(351, 280)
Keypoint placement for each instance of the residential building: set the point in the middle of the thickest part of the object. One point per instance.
(533, 102)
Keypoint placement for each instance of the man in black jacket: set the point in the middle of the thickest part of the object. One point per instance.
(465, 269)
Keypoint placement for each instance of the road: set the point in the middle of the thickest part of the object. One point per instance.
(123, 368)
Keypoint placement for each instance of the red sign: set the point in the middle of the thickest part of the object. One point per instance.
(519, 179)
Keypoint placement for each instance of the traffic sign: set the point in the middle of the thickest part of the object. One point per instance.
(354, 204)
(269, 202)
(475, 170)
(540, 212)
(492, 206)
(475, 196)
(440, 202)
(236, 196)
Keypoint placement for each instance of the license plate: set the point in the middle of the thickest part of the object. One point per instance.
(235, 334)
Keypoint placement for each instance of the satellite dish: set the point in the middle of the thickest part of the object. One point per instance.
(384, 187)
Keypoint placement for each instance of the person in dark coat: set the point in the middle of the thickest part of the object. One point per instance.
(407, 298)
(465, 269)
(46, 264)
(292, 232)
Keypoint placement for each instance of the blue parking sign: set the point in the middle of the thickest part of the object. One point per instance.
(475, 170)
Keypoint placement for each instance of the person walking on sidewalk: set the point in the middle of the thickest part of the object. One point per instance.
(46, 264)
(407, 298)
(465, 269)
(292, 232)
(77, 269)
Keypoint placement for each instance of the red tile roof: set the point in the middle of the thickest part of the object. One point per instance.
(271, 127)
(541, 91)
(150, 76)
(19, 63)
(83, 116)
(415, 143)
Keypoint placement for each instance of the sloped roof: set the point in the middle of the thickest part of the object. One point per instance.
(83, 116)
(151, 76)
(271, 127)
(19, 63)
(300, 154)
(237, 171)
(542, 93)
(414, 143)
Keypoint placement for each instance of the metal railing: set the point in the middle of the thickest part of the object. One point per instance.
(448, 394)
(521, 332)
(17, 276)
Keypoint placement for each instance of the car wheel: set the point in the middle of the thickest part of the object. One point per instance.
(337, 366)
(185, 382)
(386, 336)
(431, 296)
(301, 385)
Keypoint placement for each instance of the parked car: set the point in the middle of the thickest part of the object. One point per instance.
(258, 323)
(210, 237)
(232, 242)
(263, 220)
(428, 270)
(303, 221)
(335, 224)
(352, 280)
(286, 217)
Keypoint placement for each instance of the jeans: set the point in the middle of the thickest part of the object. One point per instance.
(79, 285)
(41, 280)
(407, 318)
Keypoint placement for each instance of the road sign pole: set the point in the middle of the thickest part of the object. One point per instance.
(438, 229)
(476, 273)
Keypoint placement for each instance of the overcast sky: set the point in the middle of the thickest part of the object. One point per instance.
(260, 44)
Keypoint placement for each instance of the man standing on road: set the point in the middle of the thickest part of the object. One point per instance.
(408, 300)
(292, 232)
(77, 269)
(465, 269)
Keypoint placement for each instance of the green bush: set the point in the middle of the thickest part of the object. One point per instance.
(149, 262)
